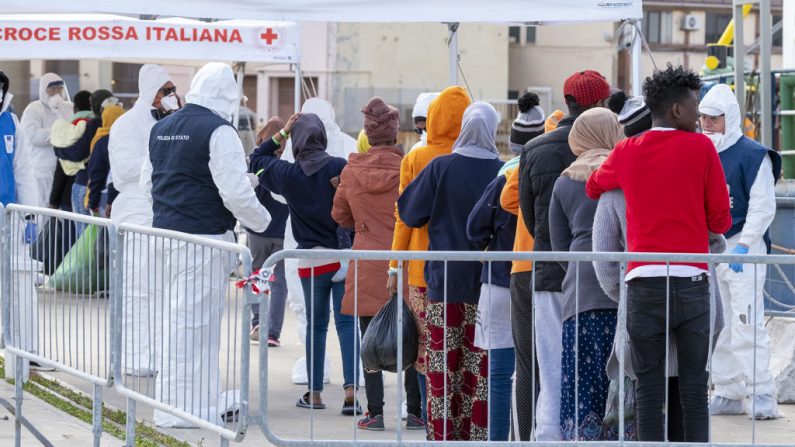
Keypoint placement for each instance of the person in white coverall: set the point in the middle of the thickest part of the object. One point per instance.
(751, 172)
(18, 185)
(196, 179)
(37, 121)
(339, 145)
(420, 116)
(127, 149)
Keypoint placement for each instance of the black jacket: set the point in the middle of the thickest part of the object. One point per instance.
(543, 159)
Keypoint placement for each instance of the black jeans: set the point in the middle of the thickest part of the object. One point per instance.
(526, 364)
(374, 385)
(688, 323)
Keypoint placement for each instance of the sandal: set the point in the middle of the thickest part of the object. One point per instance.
(306, 402)
(351, 407)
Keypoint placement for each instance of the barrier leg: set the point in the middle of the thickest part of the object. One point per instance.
(130, 428)
(97, 416)
(18, 401)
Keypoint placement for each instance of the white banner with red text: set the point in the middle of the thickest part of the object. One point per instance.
(100, 36)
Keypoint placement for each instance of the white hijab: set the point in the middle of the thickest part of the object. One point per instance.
(478, 132)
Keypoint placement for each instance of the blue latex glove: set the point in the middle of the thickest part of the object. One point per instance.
(31, 231)
(738, 250)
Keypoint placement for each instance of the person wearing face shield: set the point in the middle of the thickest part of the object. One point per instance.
(37, 121)
(19, 185)
(741, 363)
(195, 179)
(128, 148)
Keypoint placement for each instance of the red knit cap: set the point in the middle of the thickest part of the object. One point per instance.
(587, 87)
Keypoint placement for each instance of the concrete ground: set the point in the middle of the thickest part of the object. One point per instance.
(284, 418)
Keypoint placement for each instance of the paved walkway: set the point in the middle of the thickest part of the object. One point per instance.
(58, 427)
(289, 422)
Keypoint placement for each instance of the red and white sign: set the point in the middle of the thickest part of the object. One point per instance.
(115, 37)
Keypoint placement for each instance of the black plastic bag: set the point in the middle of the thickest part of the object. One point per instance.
(52, 244)
(379, 344)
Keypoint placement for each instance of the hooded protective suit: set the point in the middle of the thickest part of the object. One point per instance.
(421, 110)
(37, 121)
(751, 172)
(16, 163)
(189, 376)
(128, 148)
(339, 145)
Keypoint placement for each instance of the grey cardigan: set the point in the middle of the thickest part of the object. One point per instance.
(609, 235)
(571, 219)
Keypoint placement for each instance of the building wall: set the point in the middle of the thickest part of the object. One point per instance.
(399, 61)
(559, 51)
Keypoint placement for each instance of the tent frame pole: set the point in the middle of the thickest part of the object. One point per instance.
(297, 90)
(452, 46)
(636, 54)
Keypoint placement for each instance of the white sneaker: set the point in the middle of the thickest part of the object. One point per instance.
(723, 406)
(765, 407)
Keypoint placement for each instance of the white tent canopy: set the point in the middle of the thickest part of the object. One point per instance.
(503, 11)
(102, 36)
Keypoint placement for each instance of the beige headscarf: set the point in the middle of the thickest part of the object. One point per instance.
(592, 137)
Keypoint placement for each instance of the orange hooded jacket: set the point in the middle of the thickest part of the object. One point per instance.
(444, 124)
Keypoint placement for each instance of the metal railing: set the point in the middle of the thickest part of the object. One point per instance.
(154, 314)
(60, 320)
(180, 330)
(356, 258)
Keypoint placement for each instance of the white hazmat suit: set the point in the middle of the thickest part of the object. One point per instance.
(24, 302)
(744, 335)
(37, 121)
(189, 379)
(128, 148)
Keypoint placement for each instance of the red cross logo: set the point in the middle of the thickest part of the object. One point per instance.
(269, 36)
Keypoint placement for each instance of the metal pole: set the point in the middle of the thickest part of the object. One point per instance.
(765, 85)
(739, 56)
(97, 416)
(297, 90)
(453, 53)
(130, 428)
(18, 367)
(637, 89)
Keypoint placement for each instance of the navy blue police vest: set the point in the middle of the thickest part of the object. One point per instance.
(741, 165)
(184, 195)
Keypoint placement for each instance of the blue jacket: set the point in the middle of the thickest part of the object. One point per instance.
(81, 150)
(97, 170)
(443, 196)
(8, 130)
(309, 198)
(491, 228)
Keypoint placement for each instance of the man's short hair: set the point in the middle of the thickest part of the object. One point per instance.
(667, 87)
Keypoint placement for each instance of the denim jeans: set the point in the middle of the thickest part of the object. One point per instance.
(688, 323)
(423, 381)
(261, 249)
(501, 366)
(374, 385)
(317, 310)
(78, 205)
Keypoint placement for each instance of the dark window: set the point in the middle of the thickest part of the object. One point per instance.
(658, 26)
(778, 36)
(125, 82)
(531, 34)
(69, 71)
(513, 94)
(715, 26)
(514, 34)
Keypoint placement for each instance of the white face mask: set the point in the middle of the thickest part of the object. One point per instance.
(55, 101)
(716, 138)
(170, 102)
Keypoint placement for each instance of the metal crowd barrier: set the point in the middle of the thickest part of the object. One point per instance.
(56, 312)
(315, 423)
(182, 330)
(155, 314)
